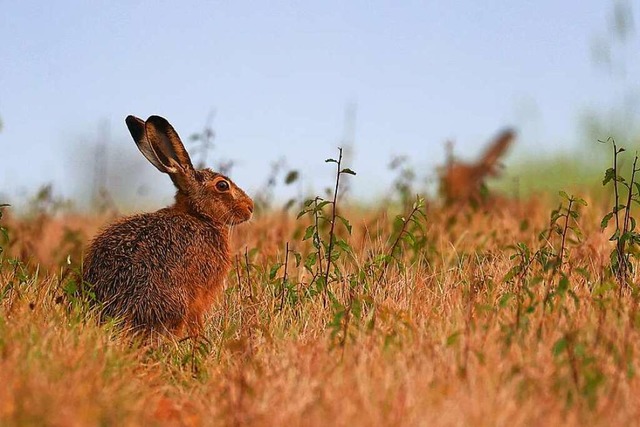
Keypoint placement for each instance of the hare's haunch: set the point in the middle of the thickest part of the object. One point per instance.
(159, 271)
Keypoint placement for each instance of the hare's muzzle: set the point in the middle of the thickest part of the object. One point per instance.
(247, 210)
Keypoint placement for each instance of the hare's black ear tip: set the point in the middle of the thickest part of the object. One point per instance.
(509, 132)
(135, 125)
(133, 121)
(157, 120)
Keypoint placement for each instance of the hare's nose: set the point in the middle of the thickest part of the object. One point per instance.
(250, 207)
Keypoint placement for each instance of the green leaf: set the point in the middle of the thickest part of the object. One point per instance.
(348, 171)
(615, 236)
(291, 177)
(310, 261)
(289, 204)
(322, 204)
(70, 288)
(343, 245)
(559, 347)
(584, 273)
(563, 285)
(345, 222)
(331, 161)
(453, 338)
(577, 232)
(309, 232)
(609, 174)
(274, 270)
(504, 299)
(605, 220)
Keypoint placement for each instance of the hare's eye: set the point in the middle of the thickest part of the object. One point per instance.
(222, 185)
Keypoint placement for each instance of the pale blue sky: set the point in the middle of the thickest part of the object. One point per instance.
(279, 75)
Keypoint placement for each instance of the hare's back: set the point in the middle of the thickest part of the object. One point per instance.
(143, 240)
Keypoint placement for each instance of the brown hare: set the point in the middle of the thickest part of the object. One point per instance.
(159, 272)
(462, 182)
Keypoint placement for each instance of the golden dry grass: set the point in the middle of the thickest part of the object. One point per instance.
(441, 339)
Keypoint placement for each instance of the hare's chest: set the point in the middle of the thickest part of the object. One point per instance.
(206, 275)
(203, 294)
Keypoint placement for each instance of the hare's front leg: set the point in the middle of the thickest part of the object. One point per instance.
(195, 325)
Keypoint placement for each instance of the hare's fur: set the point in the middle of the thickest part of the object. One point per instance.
(159, 272)
(462, 182)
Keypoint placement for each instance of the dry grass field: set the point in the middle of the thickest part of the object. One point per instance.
(493, 315)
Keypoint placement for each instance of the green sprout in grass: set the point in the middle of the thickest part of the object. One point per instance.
(625, 235)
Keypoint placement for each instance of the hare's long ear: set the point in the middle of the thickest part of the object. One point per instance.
(497, 148)
(137, 129)
(165, 142)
